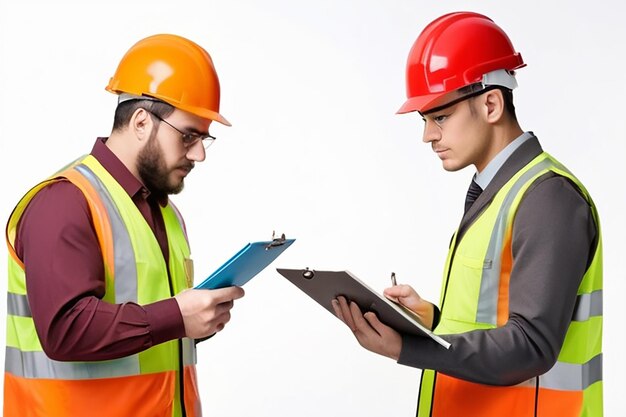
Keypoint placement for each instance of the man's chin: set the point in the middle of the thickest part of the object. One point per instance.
(177, 188)
(451, 166)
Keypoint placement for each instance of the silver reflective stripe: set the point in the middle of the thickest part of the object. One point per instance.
(572, 377)
(487, 309)
(180, 220)
(189, 351)
(38, 365)
(17, 305)
(125, 272)
(588, 305)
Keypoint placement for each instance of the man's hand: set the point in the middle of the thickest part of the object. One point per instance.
(409, 298)
(206, 312)
(368, 330)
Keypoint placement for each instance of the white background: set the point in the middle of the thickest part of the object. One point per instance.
(316, 151)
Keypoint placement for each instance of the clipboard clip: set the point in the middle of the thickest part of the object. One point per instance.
(276, 241)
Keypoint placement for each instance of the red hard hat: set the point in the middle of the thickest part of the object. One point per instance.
(454, 51)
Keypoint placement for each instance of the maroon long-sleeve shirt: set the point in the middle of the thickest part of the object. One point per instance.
(65, 275)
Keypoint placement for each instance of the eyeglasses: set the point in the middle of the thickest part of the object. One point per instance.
(189, 138)
(470, 91)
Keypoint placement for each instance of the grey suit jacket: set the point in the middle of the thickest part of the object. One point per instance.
(554, 236)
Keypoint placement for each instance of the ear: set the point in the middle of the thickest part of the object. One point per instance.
(141, 124)
(493, 106)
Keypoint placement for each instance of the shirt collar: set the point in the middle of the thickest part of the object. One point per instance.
(484, 178)
(118, 170)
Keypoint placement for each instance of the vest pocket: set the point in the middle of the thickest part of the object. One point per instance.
(474, 263)
(464, 287)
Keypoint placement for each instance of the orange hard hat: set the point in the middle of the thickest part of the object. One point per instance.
(454, 51)
(172, 69)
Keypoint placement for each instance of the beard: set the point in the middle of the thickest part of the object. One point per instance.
(154, 172)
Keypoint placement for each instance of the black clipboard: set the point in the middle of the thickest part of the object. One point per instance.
(323, 286)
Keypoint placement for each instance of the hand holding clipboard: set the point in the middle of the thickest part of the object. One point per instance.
(324, 286)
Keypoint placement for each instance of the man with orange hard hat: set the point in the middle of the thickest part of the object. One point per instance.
(521, 301)
(101, 320)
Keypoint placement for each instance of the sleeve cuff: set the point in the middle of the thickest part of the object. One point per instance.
(436, 317)
(165, 321)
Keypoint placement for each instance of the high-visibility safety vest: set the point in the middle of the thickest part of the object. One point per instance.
(158, 382)
(475, 295)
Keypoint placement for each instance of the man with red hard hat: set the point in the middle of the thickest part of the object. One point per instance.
(521, 301)
(101, 320)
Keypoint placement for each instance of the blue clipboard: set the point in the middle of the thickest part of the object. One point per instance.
(245, 264)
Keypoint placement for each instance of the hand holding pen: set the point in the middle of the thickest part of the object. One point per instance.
(406, 296)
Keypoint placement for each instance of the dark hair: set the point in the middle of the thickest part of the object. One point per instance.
(126, 109)
(508, 102)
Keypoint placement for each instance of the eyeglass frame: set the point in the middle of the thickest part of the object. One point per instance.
(189, 138)
(473, 91)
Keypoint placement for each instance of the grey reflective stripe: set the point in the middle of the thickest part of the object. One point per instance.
(125, 268)
(487, 309)
(588, 305)
(124, 256)
(38, 365)
(179, 217)
(572, 377)
(189, 351)
(17, 305)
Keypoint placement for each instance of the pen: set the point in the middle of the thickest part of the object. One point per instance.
(393, 279)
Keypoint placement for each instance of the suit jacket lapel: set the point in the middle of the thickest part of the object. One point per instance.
(522, 156)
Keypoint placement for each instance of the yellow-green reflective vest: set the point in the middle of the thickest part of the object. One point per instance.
(476, 283)
(147, 384)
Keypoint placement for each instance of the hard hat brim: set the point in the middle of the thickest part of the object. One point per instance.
(420, 103)
(198, 111)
